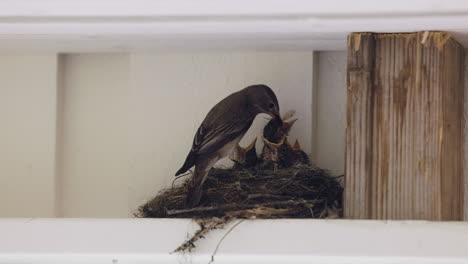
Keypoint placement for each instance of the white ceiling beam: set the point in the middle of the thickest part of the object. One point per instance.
(80, 26)
(178, 8)
(252, 241)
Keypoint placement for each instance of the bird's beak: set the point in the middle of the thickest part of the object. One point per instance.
(276, 116)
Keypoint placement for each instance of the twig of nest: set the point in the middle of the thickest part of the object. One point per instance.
(299, 192)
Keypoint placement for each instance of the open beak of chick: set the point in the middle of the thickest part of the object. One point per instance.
(277, 128)
(245, 156)
(276, 145)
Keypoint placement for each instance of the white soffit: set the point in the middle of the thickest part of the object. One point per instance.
(80, 26)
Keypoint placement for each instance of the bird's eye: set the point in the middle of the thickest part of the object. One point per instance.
(271, 105)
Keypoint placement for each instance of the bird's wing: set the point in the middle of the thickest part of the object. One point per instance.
(211, 138)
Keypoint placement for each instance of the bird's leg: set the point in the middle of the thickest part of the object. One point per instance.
(196, 187)
(200, 174)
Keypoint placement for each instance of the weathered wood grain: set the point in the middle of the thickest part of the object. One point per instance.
(404, 138)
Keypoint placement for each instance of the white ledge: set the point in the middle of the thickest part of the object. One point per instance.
(203, 8)
(253, 241)
(132, 25)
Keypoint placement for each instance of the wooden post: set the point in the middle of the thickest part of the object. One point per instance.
(404, 136)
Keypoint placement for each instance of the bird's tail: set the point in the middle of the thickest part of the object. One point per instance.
(196, 189)
(189, 162)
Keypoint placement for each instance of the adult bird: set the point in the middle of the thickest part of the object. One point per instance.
(222, 129)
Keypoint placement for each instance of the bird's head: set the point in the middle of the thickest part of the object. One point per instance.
(263, 100)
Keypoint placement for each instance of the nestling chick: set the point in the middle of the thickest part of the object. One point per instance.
(277, 152)
(244, 157)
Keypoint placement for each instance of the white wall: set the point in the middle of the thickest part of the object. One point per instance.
(126, 121)
(329, 139)
(129, 120)
(28, 93)
(94, 143)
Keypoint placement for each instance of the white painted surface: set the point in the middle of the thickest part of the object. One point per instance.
(329, 141)
(95, 140)
(252, 241)
(83, 26)
(129, 120)
(28, 88)
(187, 8)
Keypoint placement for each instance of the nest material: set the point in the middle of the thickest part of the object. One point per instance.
(295, 192)
(280, 183)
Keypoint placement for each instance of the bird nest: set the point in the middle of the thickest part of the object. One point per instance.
(296, 192)
(281, 183)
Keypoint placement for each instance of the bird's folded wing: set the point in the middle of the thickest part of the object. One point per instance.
(212, 138)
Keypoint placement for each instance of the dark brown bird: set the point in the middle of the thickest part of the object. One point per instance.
(222, 129)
